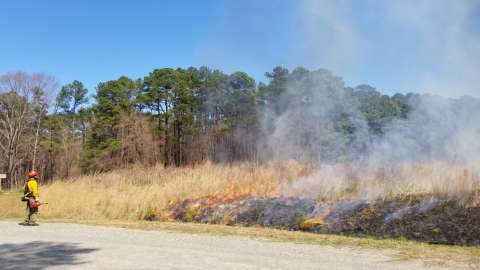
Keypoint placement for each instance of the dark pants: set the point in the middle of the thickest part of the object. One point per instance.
(31, 215)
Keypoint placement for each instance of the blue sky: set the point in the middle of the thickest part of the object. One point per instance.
(396, 46)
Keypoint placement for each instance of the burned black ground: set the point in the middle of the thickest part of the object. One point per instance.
(432, 219)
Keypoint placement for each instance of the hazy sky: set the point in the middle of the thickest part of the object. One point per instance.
(397, 46)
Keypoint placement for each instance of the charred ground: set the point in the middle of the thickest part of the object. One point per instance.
(423, 218)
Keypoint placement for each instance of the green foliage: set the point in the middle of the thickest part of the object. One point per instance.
(71, 96)
(52, 140)
(239, 105)
(87, 160)
(320, 118)
(114, 99)
(201, 113)
(379, 109)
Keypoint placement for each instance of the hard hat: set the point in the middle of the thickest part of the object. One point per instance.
(32, 173)
(35, 204)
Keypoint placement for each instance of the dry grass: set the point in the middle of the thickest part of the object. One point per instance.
(140, 193)
(123, 197)
(380, 181)
(10, 205)
(144, 193)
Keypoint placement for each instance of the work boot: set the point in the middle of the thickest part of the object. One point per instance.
(25, 223)
(33, 223)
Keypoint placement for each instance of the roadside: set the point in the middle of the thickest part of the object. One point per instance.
(398, 249)
(76, 246)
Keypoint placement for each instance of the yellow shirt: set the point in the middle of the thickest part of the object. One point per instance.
(33, 188)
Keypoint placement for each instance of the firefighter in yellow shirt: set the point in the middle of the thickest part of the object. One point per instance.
(31, 195)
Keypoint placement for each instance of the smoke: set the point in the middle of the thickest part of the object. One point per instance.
(309, 120)
(431, 147)
(434, 149)
(447, 40)
(436, 129)
(327, 34)
(317, 118)
(424, 46)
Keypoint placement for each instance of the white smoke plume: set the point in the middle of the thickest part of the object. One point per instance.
(447, 41)
(435, 149)
(326, 35)
(435, 43)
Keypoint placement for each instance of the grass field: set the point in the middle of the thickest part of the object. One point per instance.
(133, 194)
(138, 193)
(125, 197)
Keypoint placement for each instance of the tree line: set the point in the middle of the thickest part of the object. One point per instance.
(185, 116)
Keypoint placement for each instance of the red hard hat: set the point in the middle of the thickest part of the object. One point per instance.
(36, 204)
(32, 173)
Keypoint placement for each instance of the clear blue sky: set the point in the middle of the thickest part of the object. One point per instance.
(397, 46)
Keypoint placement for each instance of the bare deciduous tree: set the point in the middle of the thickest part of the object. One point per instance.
(23, 103)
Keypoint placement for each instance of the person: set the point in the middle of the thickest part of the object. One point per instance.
(31, 195)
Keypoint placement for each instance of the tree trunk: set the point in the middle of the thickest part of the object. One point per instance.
(37, 131)
(167, 141)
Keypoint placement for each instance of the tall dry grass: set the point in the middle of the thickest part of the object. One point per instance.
(142, 193)
(139, 193)
(372, 182)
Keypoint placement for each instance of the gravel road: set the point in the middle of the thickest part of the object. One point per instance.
(71, 246)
